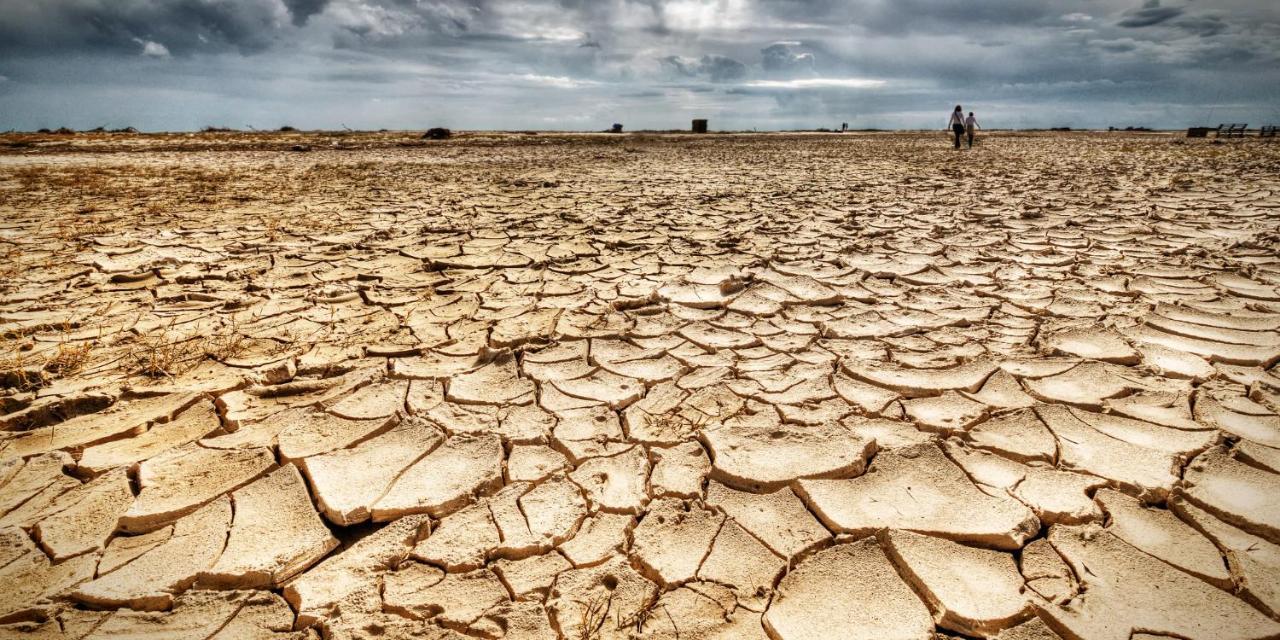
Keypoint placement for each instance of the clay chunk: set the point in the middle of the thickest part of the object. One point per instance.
(178, 482)
(276, 534)
(817, 600)
(971, 591)
(445, 479)
(919, 489)
(1126, 590)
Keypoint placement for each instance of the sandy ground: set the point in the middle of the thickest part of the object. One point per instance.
(540, 386)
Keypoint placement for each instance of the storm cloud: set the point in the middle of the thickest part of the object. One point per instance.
(582, 64)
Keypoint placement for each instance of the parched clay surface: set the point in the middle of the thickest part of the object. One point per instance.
(647, 386)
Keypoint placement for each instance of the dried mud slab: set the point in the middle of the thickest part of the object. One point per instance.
(1238, 493)
(83, 519)
(702, 610)
(919, 489)
(444, 479)
(453, 599)
(816, 600)
(1161, 534)
(178, 482)
(673, 539)
(204, 614)
(316, 592)
(149, 580)
(1150, 472)
(971, 591)
(122, 420)
(616, 484)
(606, 600)
(1046, 573)
(915, 383)
(779, 519)
(520, 387)
(1119, 598)
(275, 534)
(1253, 562)
(28, 578)
(758, 452)
(348, 482)
(316, 432)
(192, 424)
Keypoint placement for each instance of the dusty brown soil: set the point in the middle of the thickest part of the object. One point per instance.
(558, 386)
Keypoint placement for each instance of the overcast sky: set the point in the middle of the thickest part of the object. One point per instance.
(584, 64)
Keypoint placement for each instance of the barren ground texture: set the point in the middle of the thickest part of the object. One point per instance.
(644, 386)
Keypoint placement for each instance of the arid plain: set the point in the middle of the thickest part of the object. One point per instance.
(544, 386)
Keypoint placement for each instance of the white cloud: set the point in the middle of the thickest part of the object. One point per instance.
(817, 83)
(374, 21)
(152, 49)
(706, 15)
(557, 82)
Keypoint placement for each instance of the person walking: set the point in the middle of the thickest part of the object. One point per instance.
(970, 124)
(957, 124)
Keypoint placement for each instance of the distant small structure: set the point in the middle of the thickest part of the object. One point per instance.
(1234, 130)
(437, 133)
(1199, 132)
(1268, 131)
(844, 126)
(699, 125)
(616, 128)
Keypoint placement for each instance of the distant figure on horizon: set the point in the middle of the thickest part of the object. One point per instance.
(957, 124)
(970, 124)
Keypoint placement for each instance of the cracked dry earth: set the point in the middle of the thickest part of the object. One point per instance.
(576, 387)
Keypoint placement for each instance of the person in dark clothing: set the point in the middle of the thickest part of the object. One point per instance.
(957, 124)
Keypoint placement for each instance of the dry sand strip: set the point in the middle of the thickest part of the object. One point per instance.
(575, 387)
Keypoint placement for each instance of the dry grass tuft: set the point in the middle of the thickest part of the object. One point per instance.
(593, 615)
(69, 358)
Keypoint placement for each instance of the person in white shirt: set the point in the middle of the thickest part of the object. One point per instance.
(957, 124)
(970, 124)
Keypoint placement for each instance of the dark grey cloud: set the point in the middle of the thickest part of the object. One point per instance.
(301, 10)
(1204, 26)
(915, 16)
(181, 26)
(1118, 46)
(784, 58)
(715, 68)
(723, 69)
(586, 63)
(1150, 15)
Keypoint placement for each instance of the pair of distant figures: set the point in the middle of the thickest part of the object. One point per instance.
(962, 126)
